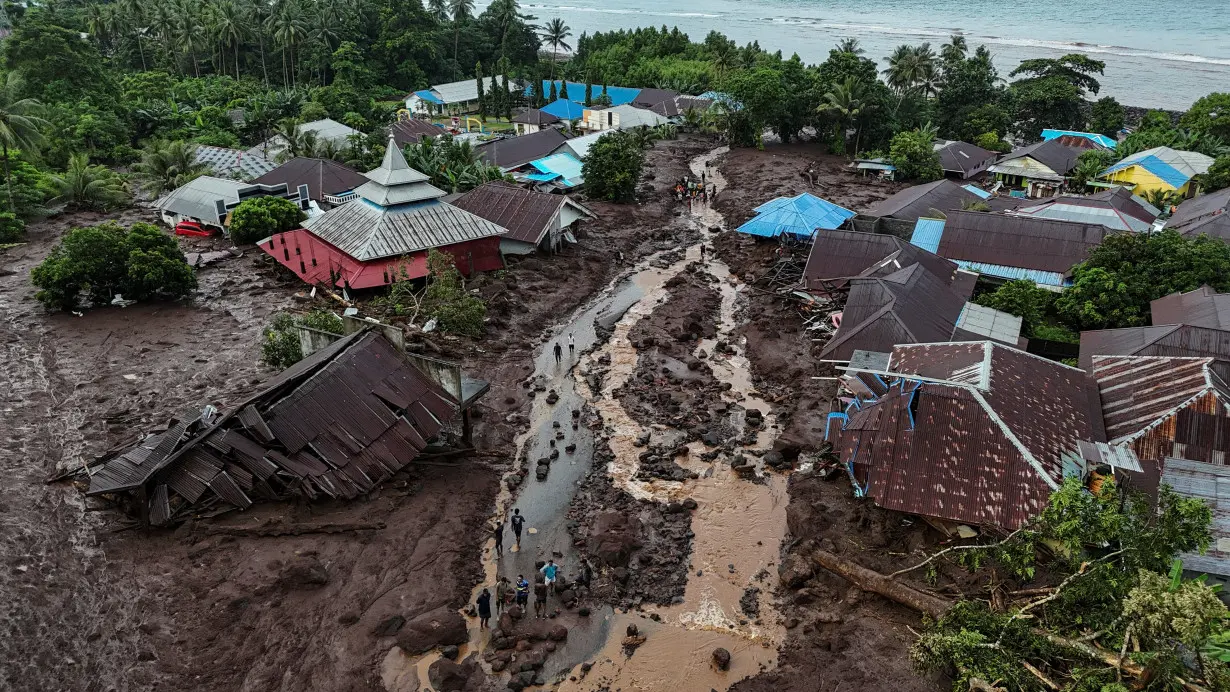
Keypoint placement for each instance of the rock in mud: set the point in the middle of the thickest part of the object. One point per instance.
(794, 571)
(447, 676)
(439, 627)
(613, 538)
(450, 652)
(389, 626)
(721, 658)
(749, 603)
(303, 573)
(558, 633)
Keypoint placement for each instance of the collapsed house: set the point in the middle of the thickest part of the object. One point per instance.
(334, 425)
(535, 220)
(971, 433)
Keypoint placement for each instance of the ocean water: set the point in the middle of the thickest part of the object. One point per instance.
(1157, 54)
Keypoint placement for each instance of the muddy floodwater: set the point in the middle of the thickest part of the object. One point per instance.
(738, 524)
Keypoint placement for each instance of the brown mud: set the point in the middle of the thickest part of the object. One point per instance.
(92, 605)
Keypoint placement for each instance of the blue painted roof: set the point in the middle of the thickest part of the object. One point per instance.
(564, 110)
(542, 177)
(426, 95)
(565, 166)
(576, 90)
(1012, 273)
(799, 216)
(977, 191)
(1169, 174)
(1091, 136)
(927, 234)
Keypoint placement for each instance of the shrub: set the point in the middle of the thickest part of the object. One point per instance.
(1218, 176)
(12, 229)
(613, 166)
(914, 155)
(260, 217)
(280, 340)
(141, 263)
(455, 309)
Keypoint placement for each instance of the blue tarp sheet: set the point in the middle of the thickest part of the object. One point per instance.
(562, 166)
(565, 110)
(799, 216)
(927, 234)
(977, 191)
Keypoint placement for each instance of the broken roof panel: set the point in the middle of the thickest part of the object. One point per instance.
(1140, 392)
(920, 200)
(801, 215)
(839, 255)
(1202, 307)
(984, 444)
(333, 433)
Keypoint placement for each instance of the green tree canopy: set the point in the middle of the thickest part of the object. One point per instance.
(1107, 117)
(913, 153)
(612, 167)
(258, 218)
(1210, 115)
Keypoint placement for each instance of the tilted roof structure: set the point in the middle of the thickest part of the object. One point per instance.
(322, 177)
(800, 215)
(1137, 392)
(1172, 166)
(1067, 135)
(1202, 307)
(1204, 214)
(839, 255)
(413, 130)
(514, 152)
(1051, 160)
(233, 163)
(972, 432)
(528, 215)
(963, 158)
(533, 116)
(1117, 209)
(918, 201)
(1183, 340)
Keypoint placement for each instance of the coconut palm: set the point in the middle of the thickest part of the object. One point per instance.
(19, 124)
(289, 28)
(438, 10)
(847, 103)
(849, 45)
(462, 10)
(954, 51)
(723, 59)
(133, 13)
(191, 35)
(88, 187)
(506, 12)
(323, 32)
(165, 166)
(909, 67)
(556, 34)
(230, 28)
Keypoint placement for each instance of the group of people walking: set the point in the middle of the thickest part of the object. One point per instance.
(508, 593)
(688, 189)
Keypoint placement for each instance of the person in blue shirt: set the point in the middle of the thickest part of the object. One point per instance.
(523, 592)
(549, 571)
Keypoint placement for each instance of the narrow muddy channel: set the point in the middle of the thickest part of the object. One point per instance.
(738, 523)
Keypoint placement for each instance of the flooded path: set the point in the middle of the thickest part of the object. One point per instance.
(738, 524)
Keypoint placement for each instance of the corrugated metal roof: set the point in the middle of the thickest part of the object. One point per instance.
(1172, 166)
(1202, 307)
(366, 231)
(429, 97)
(527, 215)
(565, 109)
(1159, 340)
(1138, 392)
(964, 158)
(322, 177)
(515, 152)
(977, 191)
(990, 323)
(984, 447)
(927, 234)
(413, 130)
(1211, 484)
(579, 146)
(533, 116)
(233, 163)
(618, 95)
(1200, 209)
(1051, 160)
(458, 92)
(1015, 241)
(801, 216)
(839, 255)
(343, 419)
(199, 197)
(563, 165)
(918, 201)
(1101, 140)
(630, 116)
(1000, 271)
(911, 305)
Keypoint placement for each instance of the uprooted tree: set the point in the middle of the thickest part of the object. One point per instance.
(1086, 598)
(280, 344)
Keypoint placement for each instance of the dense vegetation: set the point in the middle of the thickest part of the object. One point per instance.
(260, 217)
(280, 344)
(1103, 573)
(613, 165)
(102, 261)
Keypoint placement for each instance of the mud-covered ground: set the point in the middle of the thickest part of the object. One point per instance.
(837, 636)
(91, 605)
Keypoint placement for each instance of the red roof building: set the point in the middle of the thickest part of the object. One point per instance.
(975, 433)
(385, 234)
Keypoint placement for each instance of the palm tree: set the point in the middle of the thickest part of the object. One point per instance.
(288, 30)
(849, 45)
(230, 29)
(723, 59)
(165, 166)
(89, 187)
(846, 101)
(556, 33)
(462, 10)
(19, 124)
(324, 23)
(506, 12)
(954, 51)
(256, 12)
(191, 35)
(133, 12)
(438, 10)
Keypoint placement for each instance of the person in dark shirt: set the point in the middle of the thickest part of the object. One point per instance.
(503, 594)
(518, 521)
(523, 592)
(484, 609)
(540, 599)
(499, 538)
(559, 352)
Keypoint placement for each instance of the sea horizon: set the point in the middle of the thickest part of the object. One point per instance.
(1155, 57)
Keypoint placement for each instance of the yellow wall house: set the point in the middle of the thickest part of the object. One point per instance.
(1161, 168)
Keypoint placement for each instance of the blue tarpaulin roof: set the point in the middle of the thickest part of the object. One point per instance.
(977, 191)
(565, 110)
(560, 165)
(542, 177)
(576, 91)
(426, 95)
(799, 216)
(927, 234)
(1105, 141)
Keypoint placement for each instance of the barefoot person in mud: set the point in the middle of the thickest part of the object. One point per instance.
(484, 609)
(518, 521)
(559, 352)
(540, 599)
(523, 592)
(503, 594)
(549, 572)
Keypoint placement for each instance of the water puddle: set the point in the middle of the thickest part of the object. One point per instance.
(738, 525)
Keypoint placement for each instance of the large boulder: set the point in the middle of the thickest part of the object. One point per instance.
(447, 676)
(721, 658)
(303, 573)
(439, 627)
(614, 537)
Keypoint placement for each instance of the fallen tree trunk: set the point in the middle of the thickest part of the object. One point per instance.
(292, 530)
(870, 580)
(934, 606)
